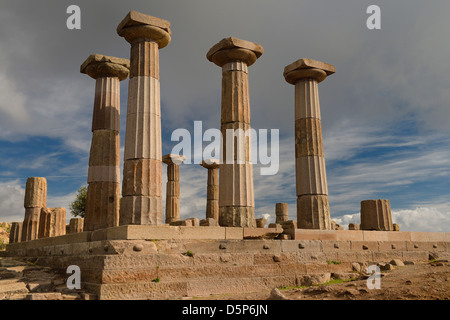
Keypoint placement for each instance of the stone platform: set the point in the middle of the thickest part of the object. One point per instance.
(148, 262)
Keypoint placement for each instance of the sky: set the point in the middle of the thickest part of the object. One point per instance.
(385, 112)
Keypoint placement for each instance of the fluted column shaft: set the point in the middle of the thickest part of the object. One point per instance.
(212, 194)
(236, 195)
(376, 215)
(313, 210)
(103, 194)
(142, 173)
(173, 187)
(35, 200)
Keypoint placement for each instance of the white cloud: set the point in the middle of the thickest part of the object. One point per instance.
(11, 201)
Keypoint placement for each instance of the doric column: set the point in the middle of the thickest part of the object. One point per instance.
(142, 172)
(236, 197)
(173, 186)
(313, 210)
(35, 200)
(103, 194)
(212, 197)
(376, 215)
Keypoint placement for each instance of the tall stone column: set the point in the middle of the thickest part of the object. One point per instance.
(281, 212)
(15, 234)
(313, 209)
(376, 215)
(103, 194)
(212, 197)
(173, 186)
(35, 200)
(142, 172)
(236, 197)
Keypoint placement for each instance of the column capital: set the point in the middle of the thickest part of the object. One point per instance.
(307, 68)
(137, 26)
(233, 49)
(101, 66)
(170, 159)
(210, 164)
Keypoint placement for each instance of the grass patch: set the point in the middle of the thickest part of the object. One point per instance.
(156, 280)
(188, 253)
(333, 262)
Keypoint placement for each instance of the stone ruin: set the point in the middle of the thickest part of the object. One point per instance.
(127, 250)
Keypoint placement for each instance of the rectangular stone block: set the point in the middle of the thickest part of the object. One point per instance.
(332, 246)
(232, 233)
(315, 234)
(364, 246)
(375, 235)
(345, 235)
(142, 177)
(141, 210)
(399, 236)
(261, 233)
(392, 246)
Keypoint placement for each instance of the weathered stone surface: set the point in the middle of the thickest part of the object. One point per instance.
(313, 212)
(137, 26)
(261, 223)
(102, 205)
(376, 215)
(15, 234)
(145, 59)
(281, 212)
(212, 194)
(311, 177)
(105, 154)
(101, 66)
(30, 227)
(395, 227)
(307, 68)
(141, 210)
(353, 226)
(76, 225)
(308, 138)
(237, 216)
(36, 193)
(142, 177)
(234, 49)
(173, 186)
(208, 222)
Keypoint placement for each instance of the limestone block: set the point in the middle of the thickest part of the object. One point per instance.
(313, 212)
(141, 210)
(15, 234)
(101, 66)
(281, 212)
(76, 225)
(35, 193)
(261, 223)
(142, 177)
(137, 25)
(46, 221)
(102, 205)
(237, 216)
(57, 222)
(376, 215)
(395, 227)
(311, 176)
(30, 227)
(195, 222)
(208, 222)
(308, 138)
(182, 223)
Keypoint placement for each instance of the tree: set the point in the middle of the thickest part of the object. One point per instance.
(78, 206)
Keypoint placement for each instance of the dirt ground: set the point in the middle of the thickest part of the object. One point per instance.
(422, 281)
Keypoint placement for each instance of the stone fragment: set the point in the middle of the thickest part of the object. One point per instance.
(353, 226)
(281, 212)
(208, 222)
(356, 267)
(395, 227)
(15, 234)
(261, 223)
(275, 294)
(397, 263)
(76, 225)
(376, 215)
(336, 226)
